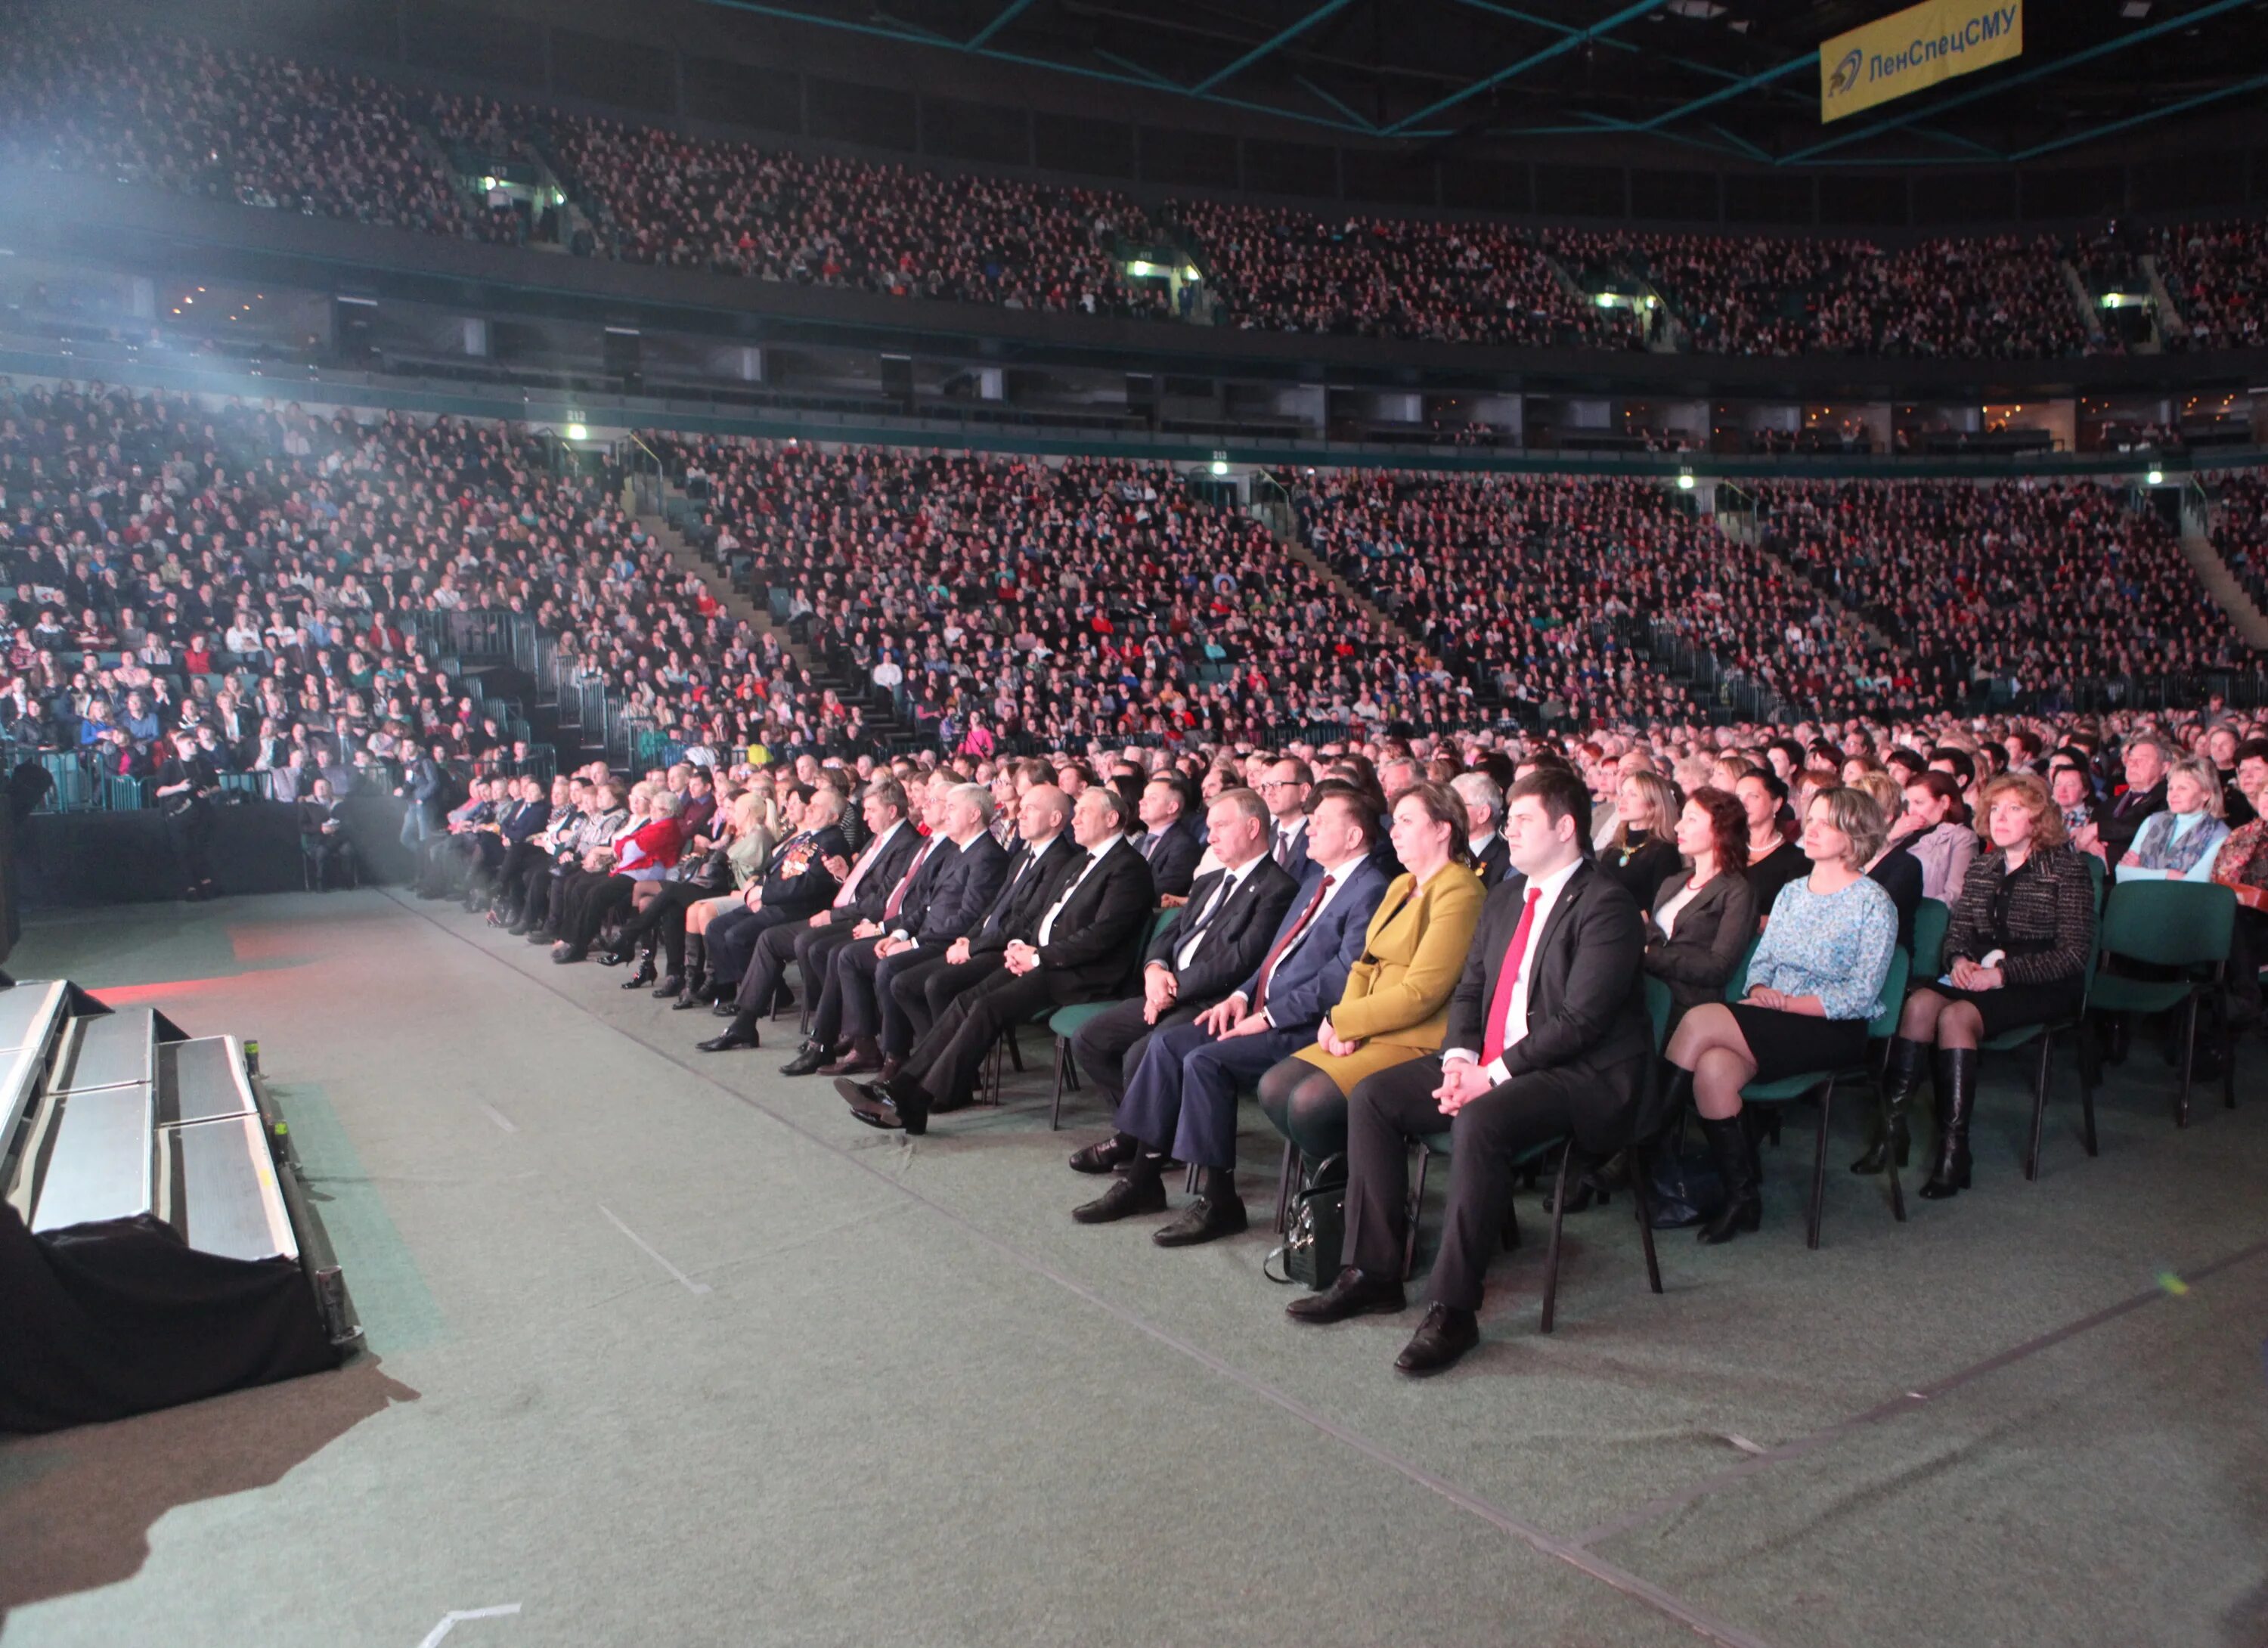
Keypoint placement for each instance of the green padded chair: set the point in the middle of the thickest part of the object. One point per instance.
(1788, 1089)
(2185, 925)
(1931, 918)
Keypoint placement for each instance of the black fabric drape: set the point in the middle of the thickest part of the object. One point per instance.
(105, 1320)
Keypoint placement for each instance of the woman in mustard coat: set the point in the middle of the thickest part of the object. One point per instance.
(1395, 1006)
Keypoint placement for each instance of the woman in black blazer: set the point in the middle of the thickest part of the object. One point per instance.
(1703, 921)
(1640, 854)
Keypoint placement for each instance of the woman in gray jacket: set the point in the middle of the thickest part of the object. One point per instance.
(1935, 829)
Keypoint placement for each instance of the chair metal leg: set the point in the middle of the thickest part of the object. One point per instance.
(1551, 1252)
(2082, 1044)
(1819, 1166)
(1054, 1106)
(1189, 1181)
(1016, 1049)
(1890, 1158)
(2228, 1052)
(2039, 1106)
(1284, 1182)
(1416, 1206)
(2189, 1058)
(1640, 1176)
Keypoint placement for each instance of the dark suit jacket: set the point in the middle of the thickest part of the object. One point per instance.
(1495, 862)
(1236, 940)
(2122, 820)
(1026, 891)
(1096, 934)
(796, 882)
(1585, 999)
(1713, 932)
(526, 821)
(883, 875)
(1174, 860)
(957, 894)
(1295, 862)
(1309, 981)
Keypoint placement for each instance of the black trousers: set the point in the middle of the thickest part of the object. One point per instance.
(666, 915)
(1386, 1112)
(1109, 1046)
(946, 1061)
(191, 830)
(520, 858)
(846, 1002)
(809, 947)
(918, 987)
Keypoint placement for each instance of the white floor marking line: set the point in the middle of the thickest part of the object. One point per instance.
(449, 1620)
(499, 1118)
(685, 1281)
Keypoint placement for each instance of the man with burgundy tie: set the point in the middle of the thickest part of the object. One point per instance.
(1548, 1035)
(1181, 1099)
(866, 887)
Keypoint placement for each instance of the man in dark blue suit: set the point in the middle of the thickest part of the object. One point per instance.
(1285, 787)
(951, 899)
(1182, 1101)
(1167, 844)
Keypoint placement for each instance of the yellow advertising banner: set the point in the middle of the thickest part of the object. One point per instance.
(1915, 47)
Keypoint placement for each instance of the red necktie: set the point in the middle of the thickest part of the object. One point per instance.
(1268, 966)
(1508, 975)
(898, 893)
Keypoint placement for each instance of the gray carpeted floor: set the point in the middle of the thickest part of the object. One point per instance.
(667, 1348)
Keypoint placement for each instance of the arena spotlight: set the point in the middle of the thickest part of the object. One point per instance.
(2157, 477)
(1220, 465)
(578, 431)
(1685, 480)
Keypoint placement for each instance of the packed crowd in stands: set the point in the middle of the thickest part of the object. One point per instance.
(1282, 269)
(2240, 529)
(1005, 598)
(263, 130)
(2217, 276)
(1550, 590)
(1340, 925)
(2038, 586)
(230, 125)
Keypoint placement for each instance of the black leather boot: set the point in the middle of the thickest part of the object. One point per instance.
(1956, 1097)
(1736, 1155)
(694, 993)
(1900, 1077)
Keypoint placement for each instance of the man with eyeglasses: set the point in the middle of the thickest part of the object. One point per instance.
(1286, 788)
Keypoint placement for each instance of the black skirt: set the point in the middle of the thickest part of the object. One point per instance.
(1790, 1044)
(2014, 1004)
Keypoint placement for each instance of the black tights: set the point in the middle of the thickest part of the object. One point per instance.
(1307, 1108)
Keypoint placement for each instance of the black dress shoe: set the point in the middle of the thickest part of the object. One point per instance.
(571, 954)
(1445, 1334)
(724, 1007)
(807, 1059)
(687, 1000)
(671, 986)
(1113, 1153)
(882, 1114)
(1354, 1293)
(738, 1036)
(1210, 1218)
(1136, 1192)
(858, 1093)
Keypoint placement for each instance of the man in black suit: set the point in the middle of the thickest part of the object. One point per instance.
(2146, 762)
(915, 988)
(1548, 1035)
(1167, 844)
(798, 883)
(1212, 945)
(1484, 802)
(1078, 954)
(936, 910)
(866, 885)
(1285, 787)
(1181, 1097)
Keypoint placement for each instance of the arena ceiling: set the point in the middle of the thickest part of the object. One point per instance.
(1737, 77)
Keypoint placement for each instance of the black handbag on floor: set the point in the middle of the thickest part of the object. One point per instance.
(1684, 1186)
(1317, 1234)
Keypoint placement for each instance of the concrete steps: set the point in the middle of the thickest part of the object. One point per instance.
(2222, 583)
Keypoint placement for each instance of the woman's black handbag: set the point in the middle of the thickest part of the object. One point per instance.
(1316, 1234)
(1685, 1188)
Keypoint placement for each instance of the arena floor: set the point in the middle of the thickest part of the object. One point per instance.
(665, 1348)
